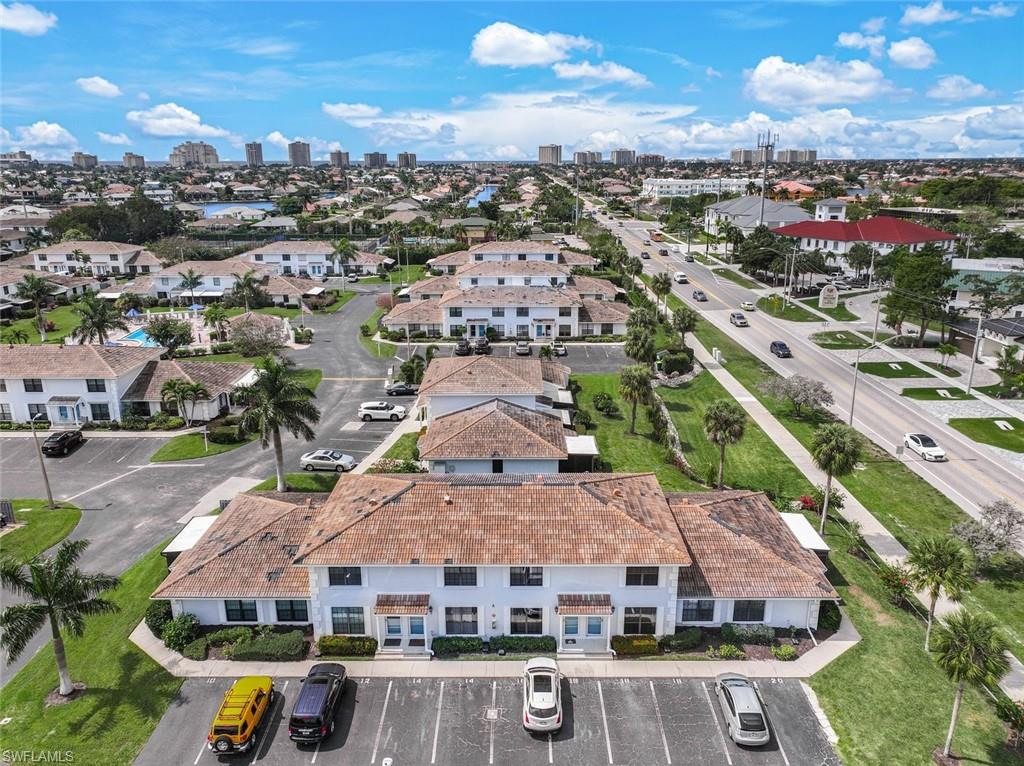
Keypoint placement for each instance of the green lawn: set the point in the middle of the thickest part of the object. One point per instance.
(127, 692)
(885, 370)
(378, 349)
(307, 481)
(734, 276)
(191, 447)
(309, 377)
(836, 340)
(404, 448)
(43, 528)
(341, 300)
(986, 431)
(932, 394)
(775, 306)
(412, 273)
(840, 313)
(949, 372)
(63, 317)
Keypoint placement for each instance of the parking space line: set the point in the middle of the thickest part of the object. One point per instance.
(604, 719)
(437, 723)
(714, 716)
(661, 727)
(551, 753)
(494, 700)
(316, 752)
(778, 739)
(266, 730)
(380, 725)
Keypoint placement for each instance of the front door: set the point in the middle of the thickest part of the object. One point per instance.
(403, 634)
(584, 633)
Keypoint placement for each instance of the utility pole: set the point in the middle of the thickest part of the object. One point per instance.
(766, 145)
(856, 364)
(42, 462)
(974, 352)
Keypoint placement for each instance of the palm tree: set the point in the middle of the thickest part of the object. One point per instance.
(173, 390)
(632, 266)
(970, 649)
(247, 285)
(836, 449)
(190, 280)
(343, 253)
(127, 301)
(274, 401)
(36, 291)
(215, 316)
(80, 256)
(939, 564)
(98, 318)
(458, 232)
(639, 345)
(635, 387)
(724, 424)
(16, 335)
(684, 320)
(661, 286)
(55, 592)
(946, 352)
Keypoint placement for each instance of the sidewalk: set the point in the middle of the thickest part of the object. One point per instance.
(103, 434)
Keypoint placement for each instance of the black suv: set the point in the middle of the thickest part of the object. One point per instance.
(780, 349)
(312, 718)
(482, 346)
(62, 442)
(462, 348)
(401, 388)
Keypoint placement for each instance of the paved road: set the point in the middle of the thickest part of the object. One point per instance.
(467, 722)
(973, 476)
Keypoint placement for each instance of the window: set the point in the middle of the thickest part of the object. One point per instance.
(526, 576)
(240, 611)
(553, 281)
(37, 409)
(95, 385)
(3, 385)
(607, 328)
(460, 620)
(549, 256)
(258, 257)
(497, 312)
(497, 466)
(641, 575)
(501, 280)
(478, 256)
(292, 611)
(526, 622)
(460, 576)
(33, 386)
(216, 281)
(565, 311)
(5, 412)
(595, 626)
(165, 281)
(393, 625)
(345, 575)
(100, 411)
(522, 311)
(522, 256)
(473, 281)
(571, 626)
(639, 620)
(698, 611)
(748, 611)
(564, 330)
(286, 257)
(527, 281)
(455, 311)
(347, 620)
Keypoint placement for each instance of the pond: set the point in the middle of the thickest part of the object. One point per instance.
(483, 195)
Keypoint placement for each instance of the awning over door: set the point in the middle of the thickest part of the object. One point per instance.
(402, 603)
(584, 603)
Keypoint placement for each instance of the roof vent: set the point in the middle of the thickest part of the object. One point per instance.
(373, 501)
(448, 500)
(448, 561)
(616, 492)
(414, 561)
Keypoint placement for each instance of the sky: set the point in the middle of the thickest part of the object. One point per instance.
(493, 80)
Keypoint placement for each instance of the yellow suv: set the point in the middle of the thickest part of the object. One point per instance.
(244, 707)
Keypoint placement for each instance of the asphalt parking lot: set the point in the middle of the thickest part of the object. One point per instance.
(581, 357)
(471, 722)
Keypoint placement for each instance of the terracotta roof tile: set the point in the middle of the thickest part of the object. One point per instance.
(482, 375)
(402, 603)
(216, 377)
(511, 295)
(51, 360)
(584, 603)
(494, 429)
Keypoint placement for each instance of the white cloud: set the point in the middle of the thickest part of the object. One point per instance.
(1000, 123)
(605, 72)
(343, 111)
(504, 44)
(26, 19)
(97, 86)
(171, 120)
(956, 87)
(873, 26)
(44, 140)
(457, 100)
(995, 11)
(691, 88)
(926, 15)
(711, 72)
(823, 80)
(270, 47)
(912, 53)
(874, 44)
(319, 148)
(118, 139)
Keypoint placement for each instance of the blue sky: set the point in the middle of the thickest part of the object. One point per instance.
(493, 80)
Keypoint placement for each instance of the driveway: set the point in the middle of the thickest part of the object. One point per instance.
(469, 722)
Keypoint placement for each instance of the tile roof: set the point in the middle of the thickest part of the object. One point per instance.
(281, 284)
(414, 312)
(555, 372)
(433, 286)
(603, 311)
(51, 360)
(89, 247)
(881, 228)
(454, 258)
(292, 247)
(482, 375)
(494, 429)
(577, 259)
(594, 286)
(516, 268)
(511, 295)
(222, 268)
(216, 377)
(514, 246)
(362, 258)
(584, 603)
(741, 548)
(402, 603)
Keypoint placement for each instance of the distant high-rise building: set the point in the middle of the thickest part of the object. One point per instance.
(84, 161)
(339, 159)
(193, 154)
(133, 161)
(298, 155)
(650, 160)
(549, 154)
(742, 156)
(587, 158)
(254, 154)
(622, 157)
(375, 159)
(15, 158)
(793, 156)
(407, 160)
(758, 155)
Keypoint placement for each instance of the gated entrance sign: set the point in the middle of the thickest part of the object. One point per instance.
(828, 298)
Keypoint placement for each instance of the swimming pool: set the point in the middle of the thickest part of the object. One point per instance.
(140, 337)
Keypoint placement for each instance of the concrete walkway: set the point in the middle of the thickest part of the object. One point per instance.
(411, 424)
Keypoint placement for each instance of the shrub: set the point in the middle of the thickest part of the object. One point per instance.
(690, 638)
(896, 580)
(748, 634)
(524, 644)
(679, 362)
(726, 652)
(196, 650)
(181, 631)
(229, 635)
(224, 435)
(222, 348)
(829, 616)
(277, 647)
(446, 646)
(132, 422)
(583, 421)
(605, 404)
(634, 646)
(347, 646)
(784, 653)
(365, 330)
(158, 614)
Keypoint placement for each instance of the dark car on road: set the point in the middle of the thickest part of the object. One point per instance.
(645, 255)
(400, 388)
(688, 258)
(482, 346)
(699, 296)
(62, 442)
(780, 349)
(312, 718)
(462, 348)
(663, 251)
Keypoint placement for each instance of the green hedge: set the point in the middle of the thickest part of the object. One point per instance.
(829, 616)
(196, 650)
(524, 644)
(275, 647)
(748, 634)
(180, 631)
(158, 614)
(785, 653)
(634, 646)
(229, 635)
(347, 646)
(690, 638)
(225, 435)
(445, 646)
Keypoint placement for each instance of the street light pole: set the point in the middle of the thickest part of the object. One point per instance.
(974, 353)
(42, 463)
(856, 364)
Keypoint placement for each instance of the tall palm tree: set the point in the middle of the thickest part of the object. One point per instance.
(56, 592)
(639, 345)
(836, 449)
(939, 564)
(971, 650)
(343, 253)
(215, 316)
(97, 319)
(247, 285)
(632, 266)
(684, 320)
(458, 232)
(635, 387)
(661, 286)
(173, 390)
(81, 257)
(946, 352)
(190, 280)
(36, 290)
(724, 424)
(275, 401)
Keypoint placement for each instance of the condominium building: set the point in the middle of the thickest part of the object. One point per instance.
(741, 156)
(339, 159)
(375, 160)
(15, 158)
(650, 160)
(133, 161)
(193, 154)
(691, 187)
(84, 161)
(587, 158)
(549, 154)
(406, 161)
(623, 157)
(298, 155)
(793, 156)
(254, 154)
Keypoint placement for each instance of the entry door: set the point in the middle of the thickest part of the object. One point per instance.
(62, 413)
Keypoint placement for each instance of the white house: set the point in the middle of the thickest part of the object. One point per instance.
(144, 396)
(97, 257)
(216, 279)
(240, 212)
(691, 187)
(304, 257)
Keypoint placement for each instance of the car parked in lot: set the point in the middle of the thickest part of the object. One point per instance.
(400, 388)
(312, 718)
(745, 720)
(381, 411)
(925, 446)
(482, 346)
(780, 349)
(680, 278)
(62, 442)
(737, 318)
(352, 278)
(699, 296)
(747, 306)
(523, 348)
(463, 347)
(558, 348)
(327, 460)
(243, 709)
(542, 695)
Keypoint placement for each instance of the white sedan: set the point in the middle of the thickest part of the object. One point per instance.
(542, 695)
(327, 460)
(924, 446)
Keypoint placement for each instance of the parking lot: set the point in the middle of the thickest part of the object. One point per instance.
(472, 722)
(581, 357)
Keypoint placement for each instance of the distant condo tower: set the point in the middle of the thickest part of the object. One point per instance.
(254, 154)
(549, 154)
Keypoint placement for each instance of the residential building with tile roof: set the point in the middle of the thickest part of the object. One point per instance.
(145, 394)
(98, 257)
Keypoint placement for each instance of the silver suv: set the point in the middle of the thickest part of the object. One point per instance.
(741, 707)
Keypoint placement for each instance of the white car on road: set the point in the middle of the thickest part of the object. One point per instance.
(381, 411)
(680, 278)
(542, 695)
(747, 306)
(924, 446)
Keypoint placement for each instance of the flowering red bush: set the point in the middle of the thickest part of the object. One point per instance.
(807, 503)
